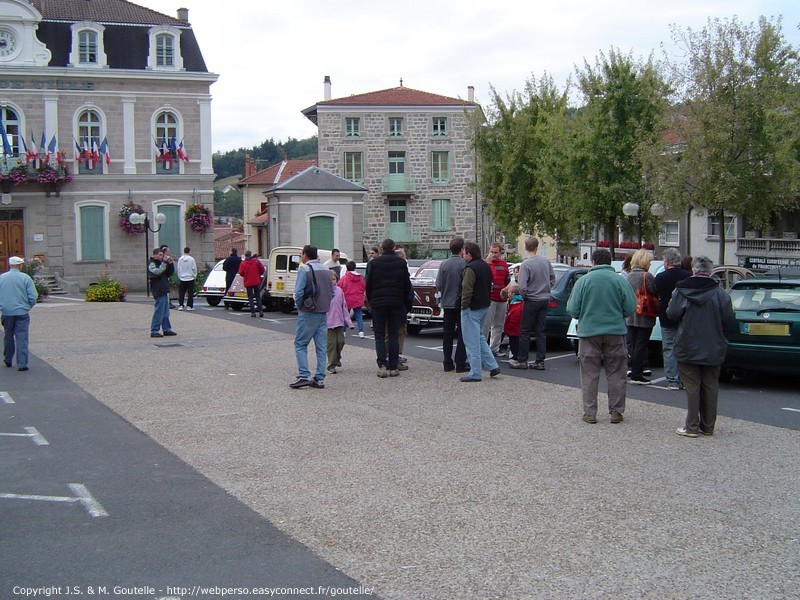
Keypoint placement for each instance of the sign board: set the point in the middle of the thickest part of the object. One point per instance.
(762, 263)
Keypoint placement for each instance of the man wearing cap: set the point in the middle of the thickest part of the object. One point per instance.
(17, 296)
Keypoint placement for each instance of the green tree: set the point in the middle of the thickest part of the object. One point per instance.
(625, 101)
(737, 121)
(230, 204)
(267, 153)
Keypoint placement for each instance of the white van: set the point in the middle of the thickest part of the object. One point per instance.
(284, 261)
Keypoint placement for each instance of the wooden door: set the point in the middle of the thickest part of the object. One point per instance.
(12, 237)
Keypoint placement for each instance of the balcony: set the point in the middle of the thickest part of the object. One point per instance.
(763, 253)
(398, 184)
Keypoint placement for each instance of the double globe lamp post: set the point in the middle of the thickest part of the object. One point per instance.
(634, 211)
(143, 219)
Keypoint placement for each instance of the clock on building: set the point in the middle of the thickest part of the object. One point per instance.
(8, 43)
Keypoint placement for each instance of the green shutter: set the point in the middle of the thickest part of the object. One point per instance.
(93, 233)
(321, 232)
(170, 233)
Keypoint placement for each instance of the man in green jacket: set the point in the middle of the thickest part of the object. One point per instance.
(600, 301)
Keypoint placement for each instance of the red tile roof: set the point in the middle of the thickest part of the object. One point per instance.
(102, 11)
(277, 173)
(399, 96)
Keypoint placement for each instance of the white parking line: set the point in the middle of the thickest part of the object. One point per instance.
(36, 437)
(5, 398)
(82, 496)
(792, 409)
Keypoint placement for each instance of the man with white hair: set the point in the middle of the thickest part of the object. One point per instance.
(17, 297)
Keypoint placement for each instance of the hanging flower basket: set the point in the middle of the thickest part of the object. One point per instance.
(125, 212)
(198, 217)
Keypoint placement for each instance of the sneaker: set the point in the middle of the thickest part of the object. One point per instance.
(169, 333)
(616, 417)
(628, 374)
(317, 384)
(402, 367)
(153, 335)
(675, 387)
(301, 382)
(468, 379)
(383, 372)
(707, 432)
(394, 373)
(498, 353)
(331, 369)
(647, 372)
(516, 364)
(494, 372)
(402, 359)
(361, 334)
(589, 419)
(22, 369)
(190, 308)
(180, 307)
(538, 365)
(641, 381)
(685, 433)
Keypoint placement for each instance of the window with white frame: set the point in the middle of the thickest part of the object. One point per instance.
(730, 226)
(87, 49)
(440, 214)
(165, 136)
(91, 220)
(395, 126)
(354, 167)
(439, 126)
(440, 167)
(89, 126)
(165, 53)
(669, 234)
(352, 127)
(11, 122)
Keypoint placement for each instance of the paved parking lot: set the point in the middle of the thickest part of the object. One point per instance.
(417, 487)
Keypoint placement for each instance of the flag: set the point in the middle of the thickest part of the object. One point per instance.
(25, 147)
(104, 151)
(182, 154)
(6, 144)
(42, 146)
(166, 157)
(78, 153)
(95, 153)
(85, 154)
(51, 148)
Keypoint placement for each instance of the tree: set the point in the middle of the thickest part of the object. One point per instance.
(625, 101)
(737, 119)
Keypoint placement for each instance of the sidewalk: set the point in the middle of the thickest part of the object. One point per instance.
(425, 488)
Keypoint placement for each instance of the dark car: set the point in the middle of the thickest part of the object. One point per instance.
(425, 311)
(766, 334)
(557, 317)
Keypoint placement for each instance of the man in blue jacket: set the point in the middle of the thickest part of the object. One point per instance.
(17, 297)
(600, 301)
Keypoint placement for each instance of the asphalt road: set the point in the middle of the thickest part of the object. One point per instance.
(767, 399)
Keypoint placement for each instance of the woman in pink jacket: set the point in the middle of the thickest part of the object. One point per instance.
(338, 319)
(353, 285)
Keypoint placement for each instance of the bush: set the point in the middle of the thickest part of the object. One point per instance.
(33, 268)
(106, 290)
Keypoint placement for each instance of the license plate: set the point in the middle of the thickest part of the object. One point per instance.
(240, 295)
(279, 286)
(766, 329)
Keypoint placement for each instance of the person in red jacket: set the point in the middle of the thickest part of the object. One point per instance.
(513, 320)
(493, 327)
(251, 271)
(354, 287)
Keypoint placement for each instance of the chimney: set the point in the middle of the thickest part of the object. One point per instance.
(327, 85)
(471, 93)
(183, 14)
(248, 166)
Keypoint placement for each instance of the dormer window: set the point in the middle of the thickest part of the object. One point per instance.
(165, 49)
(87, 45)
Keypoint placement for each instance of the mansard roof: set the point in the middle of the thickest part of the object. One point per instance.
(103, 11)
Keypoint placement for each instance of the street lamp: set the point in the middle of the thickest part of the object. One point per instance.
(634, 211)
(143, 219)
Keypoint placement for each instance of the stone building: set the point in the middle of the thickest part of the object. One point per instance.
(102, 104)
(412, 151)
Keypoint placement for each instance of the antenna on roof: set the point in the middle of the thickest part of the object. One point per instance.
(401, 82)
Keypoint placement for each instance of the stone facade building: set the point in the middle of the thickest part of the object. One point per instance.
(113, 101)
(412, 151)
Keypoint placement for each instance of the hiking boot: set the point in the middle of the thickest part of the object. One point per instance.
(383, 372)
(616, 417)
(300, 382)
(538, 365)
(589, 419)
(516, 364)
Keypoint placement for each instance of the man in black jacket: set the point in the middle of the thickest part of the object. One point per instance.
(159, 270)
(389, 295)
(231, 268)
(476, 290)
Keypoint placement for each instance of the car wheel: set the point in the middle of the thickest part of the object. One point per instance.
(413, 329)
(213, 301)
(725, 375)
(287, 304)
(237, 306)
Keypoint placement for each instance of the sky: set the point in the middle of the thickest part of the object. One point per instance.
(272, 56)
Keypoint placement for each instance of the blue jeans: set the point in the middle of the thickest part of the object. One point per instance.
(670, 362)
(16, 331)
(478, 353)
(391, 317)
(359, 317)
(160, 315)
(311, 326)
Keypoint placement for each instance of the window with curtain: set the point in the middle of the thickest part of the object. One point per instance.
(87, 46)
(165, 50)
(354, 167)
(93, 232)
(440, 168)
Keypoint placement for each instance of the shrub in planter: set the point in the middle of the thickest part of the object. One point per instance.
(106, 290)
(33, 268)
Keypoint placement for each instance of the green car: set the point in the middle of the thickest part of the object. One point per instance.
(766, 335)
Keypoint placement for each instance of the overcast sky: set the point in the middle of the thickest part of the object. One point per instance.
(271, 57)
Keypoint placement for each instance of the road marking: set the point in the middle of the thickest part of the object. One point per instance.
(792, 409)
(82, 497)
(32, 433)
(5, 398)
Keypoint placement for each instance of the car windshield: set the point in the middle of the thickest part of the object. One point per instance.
(427, 273)
(765, 296)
